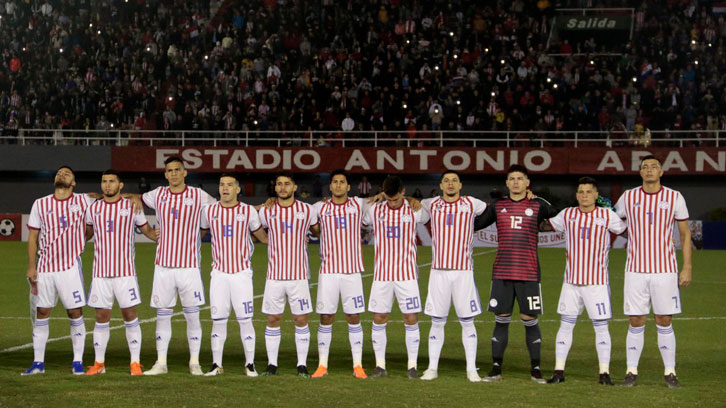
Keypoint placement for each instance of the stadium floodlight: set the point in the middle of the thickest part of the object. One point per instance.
(451, 33)
(206, 57)
(554, 86)
(436, 67)
(635, 79)
(709, 44)
(254, 122)
(148, 48)
(486, 49)
(408, 41)
(23, 49)
(693, 42)
(405, 106)
(90, 25)
(695, 62)
(99, 32)
(549, 80)
(501, 61)
(456, 56)
(171, 98)
(494, 93)
(458, 102)
(61, 50)
(592, 62)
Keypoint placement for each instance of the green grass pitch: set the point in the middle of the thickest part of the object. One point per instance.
(699, 331)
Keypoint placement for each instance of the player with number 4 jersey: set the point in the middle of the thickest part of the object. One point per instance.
(452, 271)
(230, 224)
(113, 222)
(396, 272)
(587, 231)
(176, 271)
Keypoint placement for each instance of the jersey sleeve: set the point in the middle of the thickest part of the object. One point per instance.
(364, 204)
(479, 206)
(149, 198)
(616, 224)
(88, 199)
(263, 217)
(421, 216)
(487, 218)
(204, 218)
(546, 210)
(368, 216)
(558, 221)
(87, 217)
(681, 209)
(254, 221)
(426, 203)
(34, 218)
(206, 198)
(140, 219)
(313, 216)
(620, 207)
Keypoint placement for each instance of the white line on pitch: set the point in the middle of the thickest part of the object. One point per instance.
(153, 319)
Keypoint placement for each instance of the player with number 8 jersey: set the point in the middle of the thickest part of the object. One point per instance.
(178, 209)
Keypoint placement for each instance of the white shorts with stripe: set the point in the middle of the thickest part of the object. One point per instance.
(66, 285)
(187, 282)
(297, 293)
(231, 291)
(659, 289)
(457, 286)
(335, 286)
(594, 298)
(124, 289)
(406, 293)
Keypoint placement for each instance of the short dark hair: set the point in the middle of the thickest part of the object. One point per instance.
(517, 168)
(339, 172)
(285, 174)
(112, 172)
(650, 157)
(173, 159)
(454, 172)
(65, 166)
(229, 175)
(392, 185)
(587, 180)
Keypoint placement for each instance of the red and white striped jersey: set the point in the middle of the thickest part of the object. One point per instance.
(452, 231)
(62, 235)
(587, 239)
(340, 235)
(178, 216)
(287, 230)
(650, 219)
(113, 237)
(231, 241)
(395, 236)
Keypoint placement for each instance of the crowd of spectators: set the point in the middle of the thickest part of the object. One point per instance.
(404, 65)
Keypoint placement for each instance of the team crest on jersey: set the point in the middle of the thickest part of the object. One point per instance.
(239, 217)
(528, 212)
(94, 298)
(663, 205)
(351, 210)
(465, 208)
(75, 207)
(493, 302)
(188, 202)
(406, 218)
(300, 215)
(600, 222)
(123, 212)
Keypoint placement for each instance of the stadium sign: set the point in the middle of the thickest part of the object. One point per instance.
(419, 160)
(594, 23)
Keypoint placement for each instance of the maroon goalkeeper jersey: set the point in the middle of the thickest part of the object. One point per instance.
(517, 235)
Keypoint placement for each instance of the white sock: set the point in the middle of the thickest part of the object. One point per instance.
(272, 343)
(219, 336)
(247, 334)
(40, 338)
(436, 341)
(602, 344)
(163, 334)
(413, 339)
(667, 347)
(302, 344)
(634, 347)
(101, 333)
(194, 333)
(78, 338)
(133, 338)
(355, 336)
(325, 336)
(378, 337)
(469, 340)
(563, 340)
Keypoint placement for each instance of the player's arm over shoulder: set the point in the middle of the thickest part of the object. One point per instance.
(487, 218)
(546, 210)
(616, 224)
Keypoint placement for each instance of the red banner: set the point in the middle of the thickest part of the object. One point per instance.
(11, 227)
(419, 160)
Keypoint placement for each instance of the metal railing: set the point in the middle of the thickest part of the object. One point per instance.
(255, 138)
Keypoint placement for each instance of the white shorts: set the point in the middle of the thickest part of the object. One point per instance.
(406, 292)
(297, 293)
(333, 286)
(66, 285)
(659, 289)
(231, 290)
(124, 289)
(170, 281)
(446, 286)
(594, 298)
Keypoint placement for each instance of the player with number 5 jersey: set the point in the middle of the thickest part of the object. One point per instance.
(231, 224)
(396, 272)
(516, 270)
(587, 231)
(113, 222)
(287, 222)
(178, 208)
